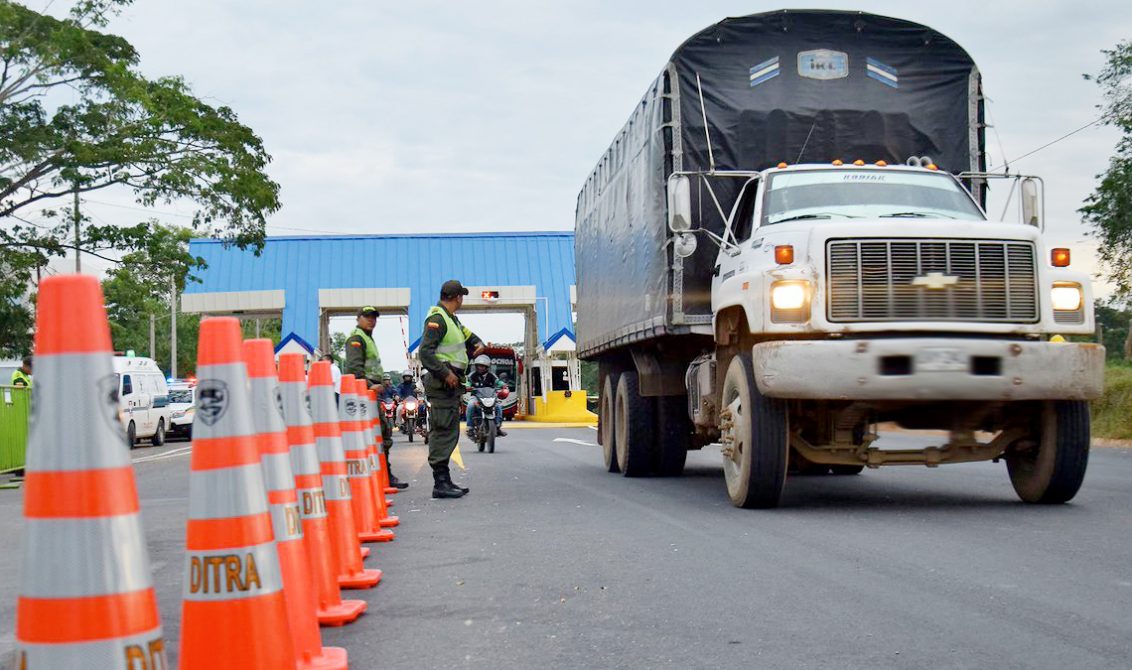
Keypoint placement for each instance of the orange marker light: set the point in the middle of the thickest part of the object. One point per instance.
(932, 166)
(858, 162)
(784, 254)
(781, 165)
(1059, 258)
(838, 162)
(882, 163)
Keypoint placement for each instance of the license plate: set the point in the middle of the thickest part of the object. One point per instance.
(940, 359)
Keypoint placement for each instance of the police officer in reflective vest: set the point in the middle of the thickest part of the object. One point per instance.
(364, 362)
(446, 348)
(21, 376)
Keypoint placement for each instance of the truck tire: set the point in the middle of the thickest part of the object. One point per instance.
(1051, 472)
(634, 427)
(755, 451)
(158, 438)
(607, 424)
(131, 435)
(673, 435)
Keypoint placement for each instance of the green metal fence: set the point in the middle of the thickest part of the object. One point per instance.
(15, 406)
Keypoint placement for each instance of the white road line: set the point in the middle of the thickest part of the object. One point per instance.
(593, 428)
(573, 441)
(168, 454)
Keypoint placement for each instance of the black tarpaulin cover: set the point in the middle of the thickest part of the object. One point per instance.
(805, 86)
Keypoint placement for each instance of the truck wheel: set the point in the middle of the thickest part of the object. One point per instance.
(634, 427)
(131, 435)
(755, 430)
(159, 437)
(673, 435)
(605, 418)
(1049, 468)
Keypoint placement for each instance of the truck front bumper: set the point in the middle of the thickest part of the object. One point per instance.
(929, 369)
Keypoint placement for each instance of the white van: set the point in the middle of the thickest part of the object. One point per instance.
(143, 399)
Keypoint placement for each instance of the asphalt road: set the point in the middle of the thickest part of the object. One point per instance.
(552, 563)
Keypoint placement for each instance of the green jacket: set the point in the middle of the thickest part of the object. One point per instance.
(435, 329)
(362, 358)
(20, 379)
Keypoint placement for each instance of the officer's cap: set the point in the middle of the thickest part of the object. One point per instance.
(451, 289)
(368, 311)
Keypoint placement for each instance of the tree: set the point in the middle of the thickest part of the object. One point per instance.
(142, 286)
(1109, 208)
(17, 268)
(149, 136)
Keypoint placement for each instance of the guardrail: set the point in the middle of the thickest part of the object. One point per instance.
(15, 408)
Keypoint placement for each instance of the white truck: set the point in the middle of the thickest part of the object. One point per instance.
(784, 311)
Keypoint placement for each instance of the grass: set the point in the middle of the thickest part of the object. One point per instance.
(1112, 413)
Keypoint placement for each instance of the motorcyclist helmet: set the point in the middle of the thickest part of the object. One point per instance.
(386, 377)
(407, 376)
(482, 362)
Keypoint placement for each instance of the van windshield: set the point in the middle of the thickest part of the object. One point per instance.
(182, 395)
(873, 194)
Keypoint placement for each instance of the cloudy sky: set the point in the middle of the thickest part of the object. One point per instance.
(389, 117)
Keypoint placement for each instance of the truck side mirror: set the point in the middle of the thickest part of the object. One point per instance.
(1031, 208)
(679, 204)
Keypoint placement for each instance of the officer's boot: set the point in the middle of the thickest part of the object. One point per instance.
(448, 477)
(442, 486)
(393, 481)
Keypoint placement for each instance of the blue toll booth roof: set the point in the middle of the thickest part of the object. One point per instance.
(300, 266)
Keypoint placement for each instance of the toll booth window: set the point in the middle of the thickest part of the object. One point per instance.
(559, 379)
(536, 382)
(127, 385)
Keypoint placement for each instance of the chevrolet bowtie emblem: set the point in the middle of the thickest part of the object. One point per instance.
(936, 281)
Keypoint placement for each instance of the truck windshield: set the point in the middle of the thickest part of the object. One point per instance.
(844, 193)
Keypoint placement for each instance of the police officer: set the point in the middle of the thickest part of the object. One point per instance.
(21, 376)
(446, 348)
(364, 362)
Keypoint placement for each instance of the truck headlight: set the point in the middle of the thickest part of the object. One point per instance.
(790, 301)
(1066, 297)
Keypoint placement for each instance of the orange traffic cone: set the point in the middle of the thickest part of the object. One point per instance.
(374, 450)
(275, 456)
(332, 610)
(335, 482)
(351, 416)
(383, 472)
(86, 596)
(234, 614)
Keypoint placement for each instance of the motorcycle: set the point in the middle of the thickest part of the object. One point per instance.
(483, 416)
(388, 412)
(409, 417)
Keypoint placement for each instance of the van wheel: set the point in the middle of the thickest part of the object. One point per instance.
(159, 436)
(634, 427)
(755, 431)
(605, 419)
(1049, 466)
(131, 435)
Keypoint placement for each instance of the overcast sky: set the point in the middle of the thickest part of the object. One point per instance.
(388, 117)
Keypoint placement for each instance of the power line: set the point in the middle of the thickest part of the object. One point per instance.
(1051, 143)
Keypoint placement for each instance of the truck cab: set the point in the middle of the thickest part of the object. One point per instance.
(849, 295)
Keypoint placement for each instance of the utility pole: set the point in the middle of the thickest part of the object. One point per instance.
(78, 219)
(153, 337)
(173, 327)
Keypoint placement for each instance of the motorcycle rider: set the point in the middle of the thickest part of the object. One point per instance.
(386, 392)
(482, 378)
(405, 390)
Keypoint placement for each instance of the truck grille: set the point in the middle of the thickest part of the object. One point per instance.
(931, 280)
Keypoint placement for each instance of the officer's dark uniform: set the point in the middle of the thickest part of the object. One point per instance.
(364, 362)
(445, 402)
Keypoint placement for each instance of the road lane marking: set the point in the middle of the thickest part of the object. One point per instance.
(573, 441)
(168, 454)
